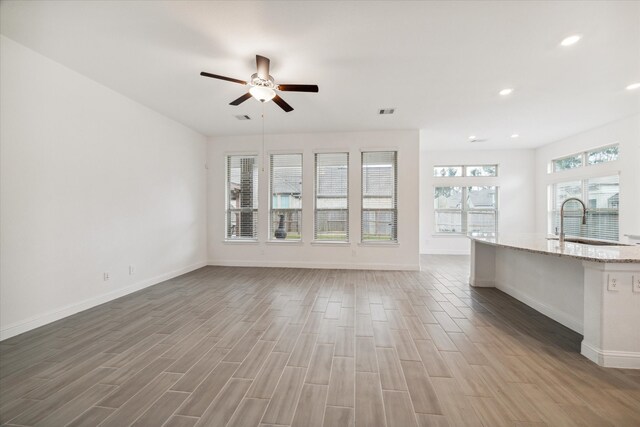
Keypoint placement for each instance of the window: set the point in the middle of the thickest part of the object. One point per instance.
(331, 197)
(445, 171)
(379, 203)
(469, 171)
(587, 158)
(286, 196)
(602, 198)
(568, 162)
(485, 170)
(461, 210)
(242, 197)
(602, 155)
(448, 209)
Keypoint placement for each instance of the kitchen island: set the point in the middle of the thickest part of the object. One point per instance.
(591, 289)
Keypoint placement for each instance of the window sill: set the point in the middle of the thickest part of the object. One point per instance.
(330, 243)
(438, 235)
(388, 244)
(241, 241)
(285, 242)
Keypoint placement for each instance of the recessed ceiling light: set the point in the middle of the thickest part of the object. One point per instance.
(505, 92)
(633, 86)
(515, 135)
(472, 137)
(571, 40)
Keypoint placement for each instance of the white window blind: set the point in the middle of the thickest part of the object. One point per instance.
(602, 198)
(242, 197)
(379, 196)
(286, 196)
(461, 210)
(331, 215)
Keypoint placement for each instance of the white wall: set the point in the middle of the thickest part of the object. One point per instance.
(403, 255)
(515, 195)
(625, 132)
(91, 182)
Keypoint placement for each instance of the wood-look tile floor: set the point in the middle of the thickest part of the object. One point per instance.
(251, 346)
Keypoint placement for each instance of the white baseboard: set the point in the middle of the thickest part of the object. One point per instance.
(557, 315)
(481, 283)
(290, 264)
(611, 359)
(51, 316)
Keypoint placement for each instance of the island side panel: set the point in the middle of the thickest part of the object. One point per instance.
(548, 283)
(611, 315)
(483, 264)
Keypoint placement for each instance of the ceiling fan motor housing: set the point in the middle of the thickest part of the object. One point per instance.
(258, 81)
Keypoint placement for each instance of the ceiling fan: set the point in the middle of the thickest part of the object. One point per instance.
(263, 87)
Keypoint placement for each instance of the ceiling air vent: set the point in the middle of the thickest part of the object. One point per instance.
(386, 110)
(242, 117)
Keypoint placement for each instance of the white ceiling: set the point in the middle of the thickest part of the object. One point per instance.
(440, 64)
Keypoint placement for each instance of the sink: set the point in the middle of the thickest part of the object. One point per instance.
(589, 241)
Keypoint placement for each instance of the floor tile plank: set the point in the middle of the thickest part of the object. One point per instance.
(369, 410)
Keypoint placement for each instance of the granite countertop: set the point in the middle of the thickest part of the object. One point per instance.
(543, 244)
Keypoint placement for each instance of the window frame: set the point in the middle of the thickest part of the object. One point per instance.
(394, 239)
(315, 239)
(584, 196)
(464, 210)
(270, 231)
(584, 159)
(464, 168)
(227, 211)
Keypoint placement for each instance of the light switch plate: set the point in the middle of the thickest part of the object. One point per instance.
(612, 283)
(635, 279)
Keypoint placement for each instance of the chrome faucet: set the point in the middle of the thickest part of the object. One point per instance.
(584, 215)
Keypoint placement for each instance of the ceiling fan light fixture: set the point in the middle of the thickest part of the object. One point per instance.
(262, 86)
(262, 93)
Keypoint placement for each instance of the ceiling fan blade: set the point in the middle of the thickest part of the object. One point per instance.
(262, 64)
(241, 99)
(286, 107)
(229, 79)
(298, 88)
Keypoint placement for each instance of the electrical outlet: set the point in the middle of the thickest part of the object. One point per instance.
(132, 270)
(106, 276)
(635, 280)
(612, 283)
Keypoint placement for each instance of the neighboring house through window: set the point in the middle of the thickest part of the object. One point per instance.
(462, 210)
